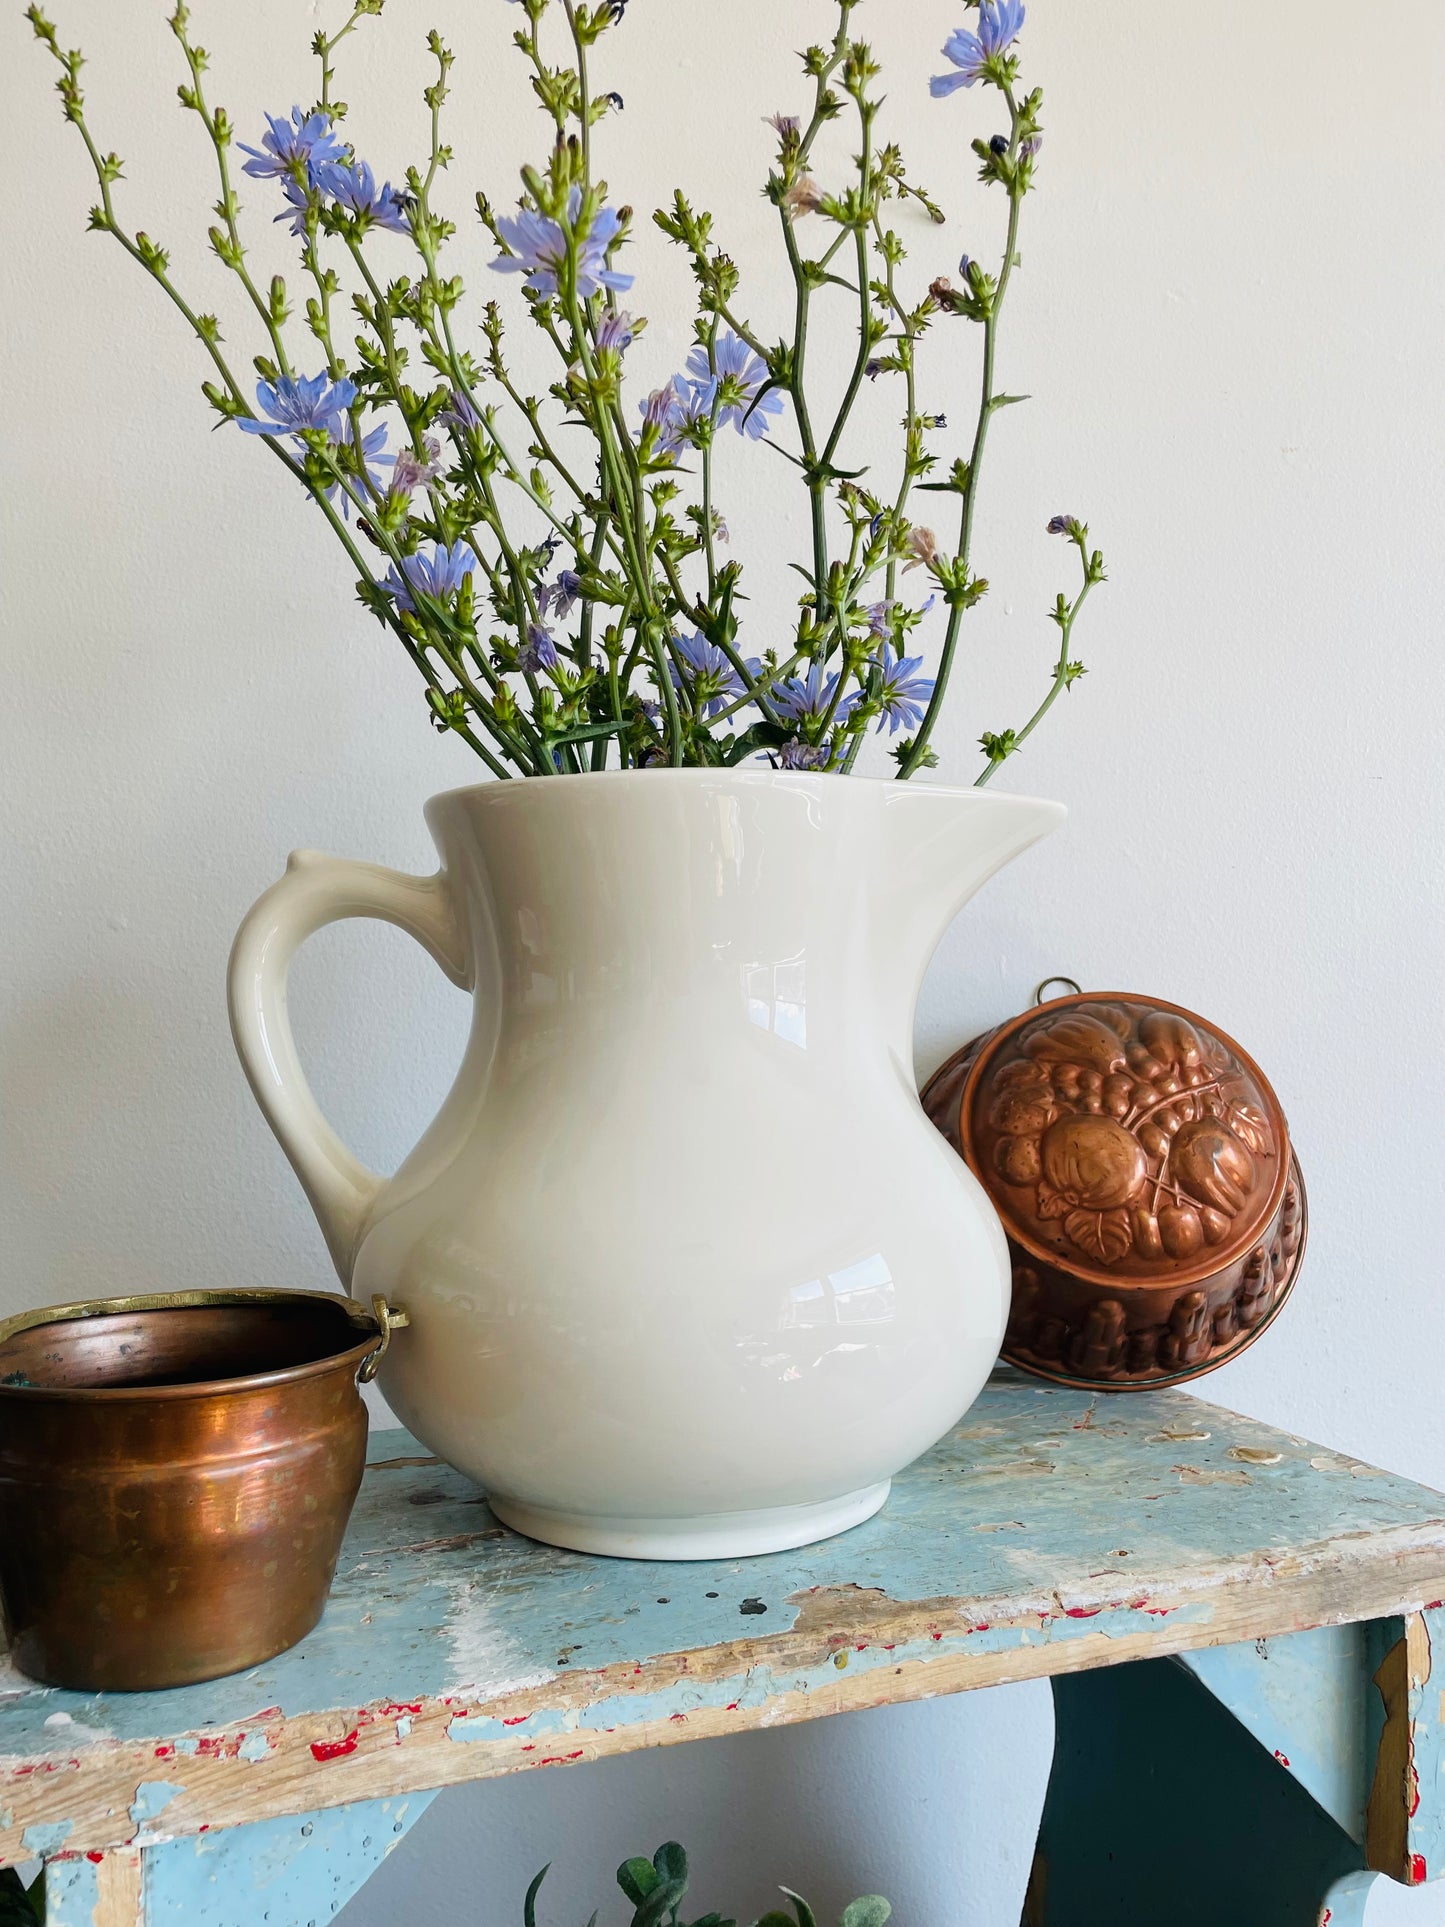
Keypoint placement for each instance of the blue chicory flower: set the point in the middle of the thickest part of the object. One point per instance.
(373, 450)
(616, 332)
(411, 471)
(706, 674)
(880, 618)
(298, 205)
(999, 23)
(902, 692)
(462, 413)
(288, 405)
(740, 376)
(800, 700)
(537, 248)
(438, 575)
(539, 651)
(797, 755)
(557, 598)
(352, 185)
(677, 412)
(293, 149)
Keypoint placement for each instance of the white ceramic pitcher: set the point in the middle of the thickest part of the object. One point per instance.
(689, 1273)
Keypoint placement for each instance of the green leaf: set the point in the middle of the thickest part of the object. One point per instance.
(871, 1910)
(529, 1905)
(670, 1861)
(775, 1918)
(662, 1901)
(801, 1908)
(637, 1878)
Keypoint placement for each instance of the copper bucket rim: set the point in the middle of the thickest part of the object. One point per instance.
(355, 1356)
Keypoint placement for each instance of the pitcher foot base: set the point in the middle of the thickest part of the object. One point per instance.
(717, 1535)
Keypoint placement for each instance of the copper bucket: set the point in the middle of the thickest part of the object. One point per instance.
(176, 1474)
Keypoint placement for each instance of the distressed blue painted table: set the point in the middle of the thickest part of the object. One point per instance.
(1238, 1625)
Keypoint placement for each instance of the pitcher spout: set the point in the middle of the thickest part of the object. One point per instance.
(944, 844)
(939, 847)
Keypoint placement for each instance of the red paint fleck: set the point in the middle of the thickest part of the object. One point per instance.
(204, 1827)
(982, 1626)
(1283, 1758)
(560, 1759)
(1414, 1793)
(1082, 1612)
(935, 1635)
(1417, 1869)
(322, 1750)
(395, 1709)
(1327, 1916)
(530, 1747)
(731, 1707)
(516, 1719)
(888, 1646)
(165, 1752)
(1434, 1606)
(1158, 1612)
(678, 1719)
(95, 1857)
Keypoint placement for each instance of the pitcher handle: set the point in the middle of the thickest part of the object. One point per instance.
(317, 890)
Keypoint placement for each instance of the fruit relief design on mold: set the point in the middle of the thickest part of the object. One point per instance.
(1137, 1141)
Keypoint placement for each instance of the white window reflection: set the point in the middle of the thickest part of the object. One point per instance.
(859, 1294)
(777, 998)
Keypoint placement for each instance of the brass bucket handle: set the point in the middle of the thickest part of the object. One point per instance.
(389, 1318)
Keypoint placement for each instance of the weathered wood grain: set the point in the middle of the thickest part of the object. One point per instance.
(1050, 1533)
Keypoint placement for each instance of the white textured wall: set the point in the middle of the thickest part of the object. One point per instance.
(1230, 321)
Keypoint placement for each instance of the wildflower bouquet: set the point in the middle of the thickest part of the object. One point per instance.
(574, 612)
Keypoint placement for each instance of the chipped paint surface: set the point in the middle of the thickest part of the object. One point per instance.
(1406, 1817)
(152, 1797)
(1036, 1538)
(1306, 1698)
(45, 1838)
(72, 1892)
(300, 1869)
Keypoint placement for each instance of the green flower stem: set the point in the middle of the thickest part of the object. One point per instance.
(708, 543)
(324, 45)
(985, 414)
(627, 508)
(385, 333)
(417, 655)
(907, 340)
(755, 691)
(865, 348)
(152, 262)
(1061, 677)
(440, 621)
(585, 114)
(802, 291)
(669, 700)
(227, 207)
(780, 674)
